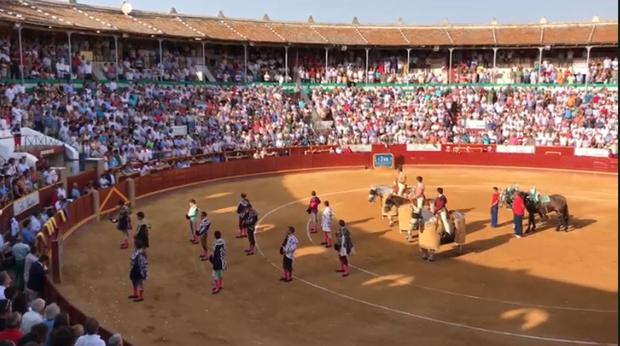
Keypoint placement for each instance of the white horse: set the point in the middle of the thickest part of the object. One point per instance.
(383, 192)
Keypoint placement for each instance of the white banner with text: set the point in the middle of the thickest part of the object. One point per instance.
(592, 152)
(515, 149)
(25, 203)
(423, 147)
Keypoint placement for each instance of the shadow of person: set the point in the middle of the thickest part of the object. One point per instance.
(477, 225)
(355, 222)
(484, 244)
(575, 223)
(464, 210)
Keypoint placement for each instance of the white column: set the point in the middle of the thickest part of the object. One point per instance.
(539, 74)
(21, 53)
(204, 54)
(407, 63)
(285, 64)
(70, 56)
(450, 66)
(366, 73)
(116, 55)
(494, 64)
(588, 48)
(161, 51)
(326, 62)
(245, 62)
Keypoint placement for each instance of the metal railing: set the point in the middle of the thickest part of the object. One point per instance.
(30, 141)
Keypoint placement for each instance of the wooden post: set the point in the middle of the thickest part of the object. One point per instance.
(96, 205)
(56, 259)
(131, 191)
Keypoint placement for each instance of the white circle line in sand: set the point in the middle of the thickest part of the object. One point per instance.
(409, 314)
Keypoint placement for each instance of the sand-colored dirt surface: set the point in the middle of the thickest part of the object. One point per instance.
(547, 288)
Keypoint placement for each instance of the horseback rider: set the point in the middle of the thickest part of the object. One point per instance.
(441, 209)
(418, 195)
(401, 181)
(534, 195)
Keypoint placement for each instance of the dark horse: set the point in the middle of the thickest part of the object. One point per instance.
(553, 203)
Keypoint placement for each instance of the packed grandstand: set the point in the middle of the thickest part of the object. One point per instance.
(117, 86)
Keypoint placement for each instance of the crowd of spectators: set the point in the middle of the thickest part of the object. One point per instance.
(143, 123)
(47, 57)
(25, 317)
(18, 179)
(149, 123)
(28, 320)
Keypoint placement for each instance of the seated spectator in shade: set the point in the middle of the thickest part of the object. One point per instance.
(115, 340)
(5, 282)
(20, 250)
(62, 320)
(30, 259)
(62, 336)
(15, 227)
(28, 234)
(60, 204)
(5, 311)
(61, 193)
(35, 223)
(90, 338)
(20, 303)
(75, 191)
(37, 335)
(78, 330)
(5, 247)
(33, 316)
(36, 278)
(12, 331)
(50, 176)
(50, 314)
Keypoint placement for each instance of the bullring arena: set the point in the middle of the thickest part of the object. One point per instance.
(105, 110)
(547, 288)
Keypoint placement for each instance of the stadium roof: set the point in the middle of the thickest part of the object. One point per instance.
(79, 17)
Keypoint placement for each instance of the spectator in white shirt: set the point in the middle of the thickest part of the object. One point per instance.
(50, 176)
(30, 259)
(33, 316)
(91, 338)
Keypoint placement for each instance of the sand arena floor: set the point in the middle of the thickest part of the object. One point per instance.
(548, 288)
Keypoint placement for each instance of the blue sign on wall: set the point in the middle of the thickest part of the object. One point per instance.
(383, 161)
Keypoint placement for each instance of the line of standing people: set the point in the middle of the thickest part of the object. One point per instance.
(138, 261)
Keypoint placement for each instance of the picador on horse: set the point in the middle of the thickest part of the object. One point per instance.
(536, 203)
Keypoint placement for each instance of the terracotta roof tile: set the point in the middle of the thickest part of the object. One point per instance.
(566, 35)
(255, 31)
(298, 33)
(170, 25)
(514, 35)
(605, 34)
(123, 22)
(383, 36)
(38, 15)
(213, 28)
(472, 36)
(340, 35)
(427, 36)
